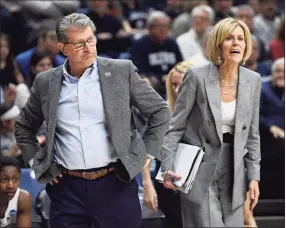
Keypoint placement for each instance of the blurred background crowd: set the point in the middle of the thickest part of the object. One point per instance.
(155, 35)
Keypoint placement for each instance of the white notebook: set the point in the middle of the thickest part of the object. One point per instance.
(187, 162)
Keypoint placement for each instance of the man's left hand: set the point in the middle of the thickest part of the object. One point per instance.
(254, 193)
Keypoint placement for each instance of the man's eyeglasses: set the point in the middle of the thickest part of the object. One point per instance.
(81, 44)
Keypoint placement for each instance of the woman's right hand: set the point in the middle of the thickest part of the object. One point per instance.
(168, 183)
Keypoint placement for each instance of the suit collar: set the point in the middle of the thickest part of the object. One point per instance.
(102, 61)
(242, 72)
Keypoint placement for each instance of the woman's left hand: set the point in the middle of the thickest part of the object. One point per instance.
(254, 193)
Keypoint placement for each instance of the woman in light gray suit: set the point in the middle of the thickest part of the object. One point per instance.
(218, 108)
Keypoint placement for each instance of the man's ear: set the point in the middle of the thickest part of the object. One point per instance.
(62, 48)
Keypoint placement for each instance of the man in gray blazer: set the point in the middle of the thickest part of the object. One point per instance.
(93, 151)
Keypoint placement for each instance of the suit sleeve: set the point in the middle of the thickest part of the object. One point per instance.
(253, 157)
(183, 106)
(153, 107)
(28, 123)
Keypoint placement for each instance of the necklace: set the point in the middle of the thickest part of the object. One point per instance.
(227, 88)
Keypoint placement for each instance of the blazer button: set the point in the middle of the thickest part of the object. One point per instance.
(208, 141)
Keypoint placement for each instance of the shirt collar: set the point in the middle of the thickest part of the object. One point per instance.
(90, 71)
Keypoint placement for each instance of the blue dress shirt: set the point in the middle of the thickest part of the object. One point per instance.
(81, 138)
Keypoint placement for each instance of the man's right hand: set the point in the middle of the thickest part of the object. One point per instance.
(56, 179)
(168, 183)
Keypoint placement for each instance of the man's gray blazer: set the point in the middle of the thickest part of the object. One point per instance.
(121, 89)
(197, 120)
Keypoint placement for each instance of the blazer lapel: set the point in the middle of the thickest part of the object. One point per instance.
(213, 95)
(106, 75)
(242, 104)
(55, 84)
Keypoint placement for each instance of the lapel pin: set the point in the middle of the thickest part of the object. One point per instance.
(107, 74)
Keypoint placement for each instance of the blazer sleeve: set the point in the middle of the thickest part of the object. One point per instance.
(253, 157)
(28, 123)
(152, 106)
(183, 106)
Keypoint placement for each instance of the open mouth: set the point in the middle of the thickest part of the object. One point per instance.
(234, 51)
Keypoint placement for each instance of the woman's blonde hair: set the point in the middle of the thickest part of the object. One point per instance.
(180, 67)
(218, 34)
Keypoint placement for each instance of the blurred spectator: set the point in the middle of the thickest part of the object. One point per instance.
(134, 12)
(44, 14)
(173, 8)
(8, 95)
(272, 134)
(277, 45)
(272, 113)
(12, 88)
(14, 25)
(246, 14)
(155, 53)
(9, 72)
(40, 61)
(9, 147)
(47, 43)
(115, 9)
(266, 22)
(109, 29)
(16, 204)
(201, 58)
(183, 22)
(174, 80)
(255, 5)
(223, 9)
(190, 42)
(239, 2)
(263, 68)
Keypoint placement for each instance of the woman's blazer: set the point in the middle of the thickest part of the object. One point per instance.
(197, 120)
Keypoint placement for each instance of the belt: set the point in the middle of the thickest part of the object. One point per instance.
(228, 138)
(89, 175)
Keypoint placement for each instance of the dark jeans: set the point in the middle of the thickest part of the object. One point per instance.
(104, 203)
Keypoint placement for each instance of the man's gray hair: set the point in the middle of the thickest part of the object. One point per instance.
(154, 15)
(205, 9)
(276, 63)
(244, 7)
(77, 20)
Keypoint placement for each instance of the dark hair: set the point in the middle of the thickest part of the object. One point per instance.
(9, 161)
(35, 59)
(38, 56)
(11, 65)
